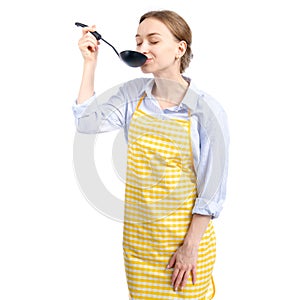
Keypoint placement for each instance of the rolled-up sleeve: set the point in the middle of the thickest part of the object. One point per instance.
(97, 114)
(212, 167)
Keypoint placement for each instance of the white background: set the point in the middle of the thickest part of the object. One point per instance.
(54, 245)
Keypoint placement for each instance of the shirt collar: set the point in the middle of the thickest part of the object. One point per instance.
(190, 99)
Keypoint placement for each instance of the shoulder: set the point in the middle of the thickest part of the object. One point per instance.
(204, 99)
(203, 105)
(206, 109)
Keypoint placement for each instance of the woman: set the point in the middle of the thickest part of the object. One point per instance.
(174, 188)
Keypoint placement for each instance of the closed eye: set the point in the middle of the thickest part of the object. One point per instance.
(150, 42)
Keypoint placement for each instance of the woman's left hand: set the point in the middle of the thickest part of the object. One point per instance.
(184, 261)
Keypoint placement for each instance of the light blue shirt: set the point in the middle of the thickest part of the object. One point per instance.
(209, 131)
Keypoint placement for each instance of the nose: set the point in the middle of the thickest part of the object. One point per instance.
(143, 48)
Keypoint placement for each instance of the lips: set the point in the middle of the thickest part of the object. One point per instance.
(148, 60)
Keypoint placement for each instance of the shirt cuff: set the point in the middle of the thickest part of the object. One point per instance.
(206, 207)
(78, 109)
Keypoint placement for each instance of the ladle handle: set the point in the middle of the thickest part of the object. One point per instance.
(98, 36)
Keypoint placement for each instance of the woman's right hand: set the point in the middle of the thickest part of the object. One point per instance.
(88, 44)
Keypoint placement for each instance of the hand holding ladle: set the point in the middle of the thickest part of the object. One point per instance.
(131, 58)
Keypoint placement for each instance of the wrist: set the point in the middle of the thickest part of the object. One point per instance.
(191, 242)
(196, 230)
(89, 65)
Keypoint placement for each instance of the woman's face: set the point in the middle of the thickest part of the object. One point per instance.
(155, 40)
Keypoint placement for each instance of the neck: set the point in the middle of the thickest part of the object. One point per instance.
(169, 92)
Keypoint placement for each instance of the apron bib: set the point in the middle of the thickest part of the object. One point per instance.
(160, 195)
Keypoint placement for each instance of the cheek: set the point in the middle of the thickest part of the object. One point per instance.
(164, 52)
(167, 56)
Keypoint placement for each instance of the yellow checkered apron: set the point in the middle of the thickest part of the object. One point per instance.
(160, 195)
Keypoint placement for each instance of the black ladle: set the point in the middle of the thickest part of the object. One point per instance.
(131, 58)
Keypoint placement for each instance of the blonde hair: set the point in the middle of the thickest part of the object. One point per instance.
(178, 27)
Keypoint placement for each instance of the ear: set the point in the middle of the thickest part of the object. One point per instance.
(182, 45)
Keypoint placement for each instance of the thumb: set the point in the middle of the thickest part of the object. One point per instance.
(172, 261)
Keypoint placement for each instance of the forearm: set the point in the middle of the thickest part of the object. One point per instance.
(196, 229)
(87, 83)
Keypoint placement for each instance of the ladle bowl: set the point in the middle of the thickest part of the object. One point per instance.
(131, 58)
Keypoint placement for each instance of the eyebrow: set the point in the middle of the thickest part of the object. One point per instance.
(150, 34)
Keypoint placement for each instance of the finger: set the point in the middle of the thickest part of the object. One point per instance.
(174, 275)
(90, 38)
(88, 47)
(172, 261)
(88, 42)
(87, 29)
(179, 279)
(90, 35)
(184, 279)
(194, 274)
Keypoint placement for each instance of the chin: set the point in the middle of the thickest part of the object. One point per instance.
(146, 70)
